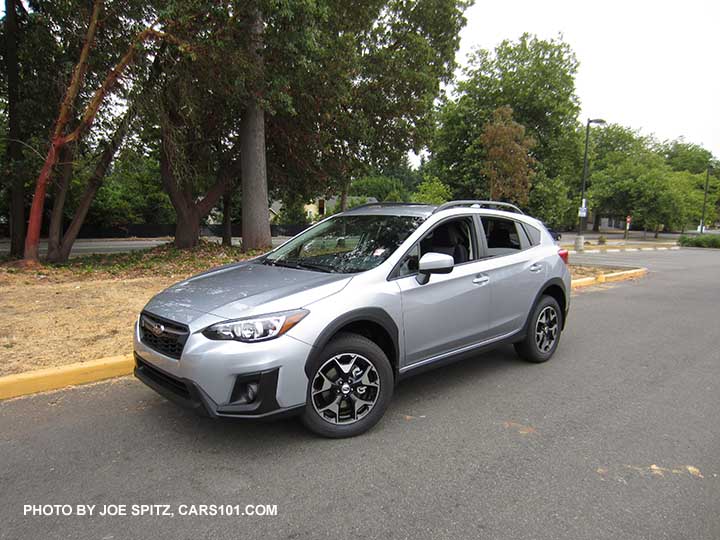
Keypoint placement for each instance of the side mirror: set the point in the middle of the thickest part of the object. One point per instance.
(434, 263)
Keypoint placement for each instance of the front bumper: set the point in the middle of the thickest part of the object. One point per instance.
(209, 374)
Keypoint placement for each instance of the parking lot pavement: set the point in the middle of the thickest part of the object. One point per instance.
(616, 437)
(665, 260)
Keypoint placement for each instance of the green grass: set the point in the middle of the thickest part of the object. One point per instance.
(702, 241)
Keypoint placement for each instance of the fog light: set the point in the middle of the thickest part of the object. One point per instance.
(252, 391)
(245, 391)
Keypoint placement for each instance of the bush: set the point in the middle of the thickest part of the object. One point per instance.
(432, 191)
(703, 241)
(602, 240)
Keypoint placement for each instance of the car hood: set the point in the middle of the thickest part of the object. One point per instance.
(244, 289)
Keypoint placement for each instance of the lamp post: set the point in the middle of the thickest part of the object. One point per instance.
(707, 182)
(582, 211)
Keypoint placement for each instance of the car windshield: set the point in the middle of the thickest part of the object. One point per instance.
(345, 243)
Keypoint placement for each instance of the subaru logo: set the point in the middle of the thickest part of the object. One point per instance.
(157, 329)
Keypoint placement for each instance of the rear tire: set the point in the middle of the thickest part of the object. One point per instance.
(351, 383)
(543, 332)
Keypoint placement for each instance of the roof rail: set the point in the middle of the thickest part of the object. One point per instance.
(479, 204)
(367, 205)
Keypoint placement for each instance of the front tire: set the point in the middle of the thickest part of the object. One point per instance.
(543, 332)
(351, 383)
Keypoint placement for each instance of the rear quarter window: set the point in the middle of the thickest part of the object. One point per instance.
(533, 234)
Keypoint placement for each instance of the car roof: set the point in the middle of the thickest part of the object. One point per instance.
(393, 209)
(426, 210)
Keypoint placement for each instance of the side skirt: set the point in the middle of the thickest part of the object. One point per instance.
(458, 354)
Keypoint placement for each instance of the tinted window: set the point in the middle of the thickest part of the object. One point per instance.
(502, 236)
(453, 237)
(533, 234)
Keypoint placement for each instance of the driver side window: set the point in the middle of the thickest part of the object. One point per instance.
(454, 237)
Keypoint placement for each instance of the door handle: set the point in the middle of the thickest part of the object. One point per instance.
(536, 267)
(481, 280)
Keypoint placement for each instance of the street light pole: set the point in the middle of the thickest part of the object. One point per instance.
(707, 182)
(582, 211)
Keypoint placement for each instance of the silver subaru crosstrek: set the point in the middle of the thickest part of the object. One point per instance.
(327, 324)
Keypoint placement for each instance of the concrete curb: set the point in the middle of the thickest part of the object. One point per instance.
(621, 249)
(42, 380)
(55, 378)
(609, 277)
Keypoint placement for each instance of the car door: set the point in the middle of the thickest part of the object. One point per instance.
(448, 312)
(516, 271)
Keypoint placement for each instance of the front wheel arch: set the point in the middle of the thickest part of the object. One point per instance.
(373, 323)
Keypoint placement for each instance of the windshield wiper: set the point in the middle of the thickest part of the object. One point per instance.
(276, 262)
(298, 265)
(315, 266)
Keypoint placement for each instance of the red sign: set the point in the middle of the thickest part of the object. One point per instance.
(628, 220)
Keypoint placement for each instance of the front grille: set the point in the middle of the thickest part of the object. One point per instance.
(162, 335)
(163, 379)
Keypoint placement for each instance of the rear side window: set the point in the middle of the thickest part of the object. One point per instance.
(533, 234)
(502, 236)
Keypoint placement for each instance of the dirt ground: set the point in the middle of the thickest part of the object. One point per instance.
(46, 322)
(51, 324)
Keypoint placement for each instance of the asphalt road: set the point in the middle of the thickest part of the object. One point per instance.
(617, 437)
(99, 246)
(91, 246)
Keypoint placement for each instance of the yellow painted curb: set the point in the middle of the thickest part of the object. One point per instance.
(627, 274)
(612, 276)
(583, 282)
(41, 380)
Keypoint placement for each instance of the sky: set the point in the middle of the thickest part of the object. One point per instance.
(649, 65)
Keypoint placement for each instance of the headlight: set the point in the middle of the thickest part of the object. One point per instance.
(254, 329)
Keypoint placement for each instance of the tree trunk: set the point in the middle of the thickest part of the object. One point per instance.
(68, 240)
(67, 155)
(657, 230)
(187, 228)
(596, 222)
(255, 217)
(188, 213)
(13, 150)
(62, 253)
(227, 215)
(344, 196)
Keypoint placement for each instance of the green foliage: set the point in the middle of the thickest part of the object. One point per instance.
(293, 212)
(550, 202)
(536, 78)
(131, 193)
(432, 191)
(632, 175)
(396, 196)
(702, 240)
(382, 188)
(362, 96)
(682, 156)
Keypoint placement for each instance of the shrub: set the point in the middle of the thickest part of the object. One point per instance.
(432, 191)
(703, 241)
(602, 240)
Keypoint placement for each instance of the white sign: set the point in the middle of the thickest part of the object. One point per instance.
(582, 212)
